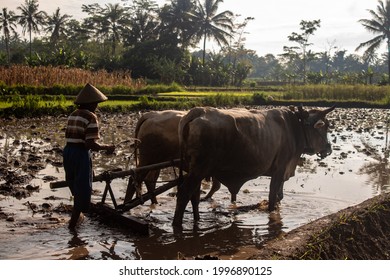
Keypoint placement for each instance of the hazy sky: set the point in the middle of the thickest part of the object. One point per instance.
(274, 20)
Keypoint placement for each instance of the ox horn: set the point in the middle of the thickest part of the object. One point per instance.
(326, 111)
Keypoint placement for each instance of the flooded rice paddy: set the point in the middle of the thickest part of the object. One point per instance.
(33, 217)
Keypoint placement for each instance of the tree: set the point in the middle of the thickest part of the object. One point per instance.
(155, 43)
(108, 23)
(31, 18)
(143, 21)
(176, 20)
(56, 25)
(211, 24)
(302, 39)
(115, 21)
(239, 53)
(7, 24)
(326, 59)
(77, 35)
(242, 70)
(379, 24)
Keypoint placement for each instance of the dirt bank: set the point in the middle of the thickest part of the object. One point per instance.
(358, 232)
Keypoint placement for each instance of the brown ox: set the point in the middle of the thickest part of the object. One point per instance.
(238, 145)
(158, 141)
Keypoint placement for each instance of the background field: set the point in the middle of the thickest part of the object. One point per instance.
(32, 91)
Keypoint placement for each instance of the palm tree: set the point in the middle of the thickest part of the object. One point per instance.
(56, 25)
(144, 22)
(114, 23)
(30, 18)
(109, 22)
(211, 24)
(379, 24)
(7, 24)
(175, 19)
(77, 35)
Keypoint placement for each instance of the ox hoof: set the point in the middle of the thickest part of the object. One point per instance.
(177, 223)
(271, 208)
(177, 229)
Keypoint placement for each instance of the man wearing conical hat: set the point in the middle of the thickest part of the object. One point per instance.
(82, 133)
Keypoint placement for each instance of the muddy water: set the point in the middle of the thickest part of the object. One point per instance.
(33, 218)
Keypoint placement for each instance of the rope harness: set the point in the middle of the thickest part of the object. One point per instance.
(308, 149)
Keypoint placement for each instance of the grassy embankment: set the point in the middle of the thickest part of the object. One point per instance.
(26, 91)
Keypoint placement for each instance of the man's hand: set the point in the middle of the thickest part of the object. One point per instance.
(94, 146)
(109, 149)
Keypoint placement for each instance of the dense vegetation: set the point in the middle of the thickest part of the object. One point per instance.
(140, 55)
(156, 43)
(25, 92)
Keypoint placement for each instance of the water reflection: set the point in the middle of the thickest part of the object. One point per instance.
(78, 247)
(377, 170)
(226, 238)
(110, 253)
(275, 224)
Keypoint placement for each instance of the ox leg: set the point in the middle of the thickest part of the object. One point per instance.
(214, 188)
(233, 197)
(233, 189)
(280, 193)
(131, 189)
(195, 204)
(274, 192)
(186, 192)
(139, 177)
(150, 182)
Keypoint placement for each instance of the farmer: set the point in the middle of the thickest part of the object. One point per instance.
(82, 133)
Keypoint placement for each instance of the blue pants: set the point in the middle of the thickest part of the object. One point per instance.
(78, 174)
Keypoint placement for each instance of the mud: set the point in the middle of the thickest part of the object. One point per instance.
(355, 233)
(33, 218)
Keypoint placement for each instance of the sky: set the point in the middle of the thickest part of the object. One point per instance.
(274, 20)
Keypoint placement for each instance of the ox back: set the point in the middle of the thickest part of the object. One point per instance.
(157, 133)
(238, 145)
(158, 141)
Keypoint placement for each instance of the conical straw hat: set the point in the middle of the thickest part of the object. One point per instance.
(90, 94)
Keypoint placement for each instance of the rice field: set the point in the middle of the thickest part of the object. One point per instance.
(41, 90)
(207, 93)
(370, 93)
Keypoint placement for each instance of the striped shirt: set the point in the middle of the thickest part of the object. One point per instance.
(82, 125)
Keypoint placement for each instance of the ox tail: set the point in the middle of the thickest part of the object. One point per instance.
(136, 139)
(184, 131)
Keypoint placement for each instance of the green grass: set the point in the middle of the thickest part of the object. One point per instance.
(114, 103)
(191, 94)
(317, 95)
(4, 105)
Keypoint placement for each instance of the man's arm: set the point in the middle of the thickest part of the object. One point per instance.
(95, 146)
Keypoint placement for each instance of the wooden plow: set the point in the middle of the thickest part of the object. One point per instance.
(115, 213)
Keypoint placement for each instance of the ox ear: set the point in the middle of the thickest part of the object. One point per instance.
(303, 113)
(319, 124)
